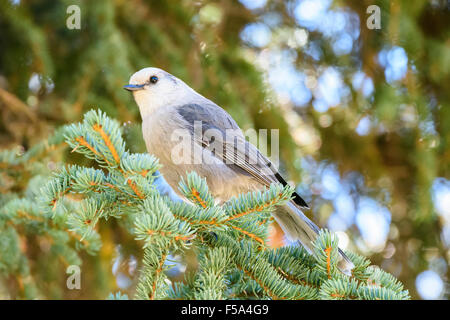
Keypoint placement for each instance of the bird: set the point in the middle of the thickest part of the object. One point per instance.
(175, 117)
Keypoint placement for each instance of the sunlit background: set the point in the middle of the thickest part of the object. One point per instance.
(363, 114)
(345, 197)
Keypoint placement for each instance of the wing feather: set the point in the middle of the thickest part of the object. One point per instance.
(223, 137)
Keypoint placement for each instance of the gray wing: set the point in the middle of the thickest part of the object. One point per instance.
(222, 136)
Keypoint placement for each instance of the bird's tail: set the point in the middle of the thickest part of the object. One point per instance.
(298, 227)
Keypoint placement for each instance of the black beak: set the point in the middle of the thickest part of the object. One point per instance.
(133, 87)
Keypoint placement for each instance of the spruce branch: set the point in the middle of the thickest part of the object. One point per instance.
(326, 253)
(214, 264)
(153, 281)
(196, 190)
(230, 239)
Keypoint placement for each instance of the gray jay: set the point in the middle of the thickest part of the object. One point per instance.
(176, 117)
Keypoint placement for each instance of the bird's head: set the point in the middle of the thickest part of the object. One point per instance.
(153, 88)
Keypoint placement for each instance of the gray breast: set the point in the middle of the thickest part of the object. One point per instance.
(168, 135)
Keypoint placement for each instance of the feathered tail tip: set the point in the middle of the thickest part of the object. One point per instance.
(297, 226)
(345, 265)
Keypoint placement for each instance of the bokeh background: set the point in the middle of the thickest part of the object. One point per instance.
(363, 114)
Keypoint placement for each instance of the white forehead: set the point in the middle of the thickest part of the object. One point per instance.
(143, 75)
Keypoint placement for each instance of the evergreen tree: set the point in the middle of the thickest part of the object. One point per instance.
(51, 75)
(230, 241)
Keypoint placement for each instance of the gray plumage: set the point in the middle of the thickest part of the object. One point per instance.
(175, 119)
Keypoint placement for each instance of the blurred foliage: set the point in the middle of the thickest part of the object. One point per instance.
(50, 75)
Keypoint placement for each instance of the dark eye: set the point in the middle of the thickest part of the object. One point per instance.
(153, 79)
